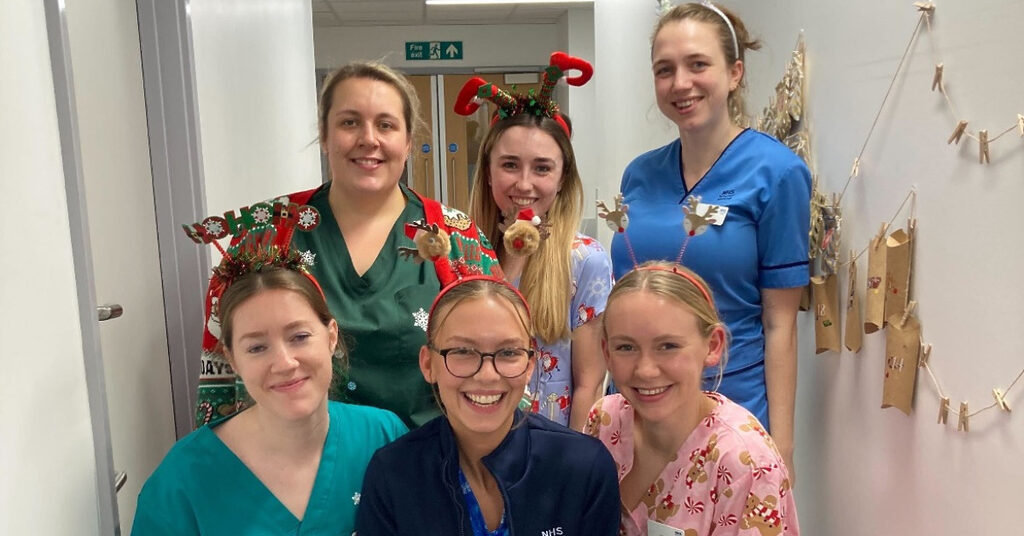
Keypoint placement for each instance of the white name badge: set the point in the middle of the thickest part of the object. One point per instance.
(716, 213)
(659, 529)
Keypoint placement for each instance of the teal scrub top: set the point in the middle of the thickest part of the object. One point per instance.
(382, 314)
(201, 487)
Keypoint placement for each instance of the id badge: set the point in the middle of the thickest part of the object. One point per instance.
(715, 212)
(660, 529)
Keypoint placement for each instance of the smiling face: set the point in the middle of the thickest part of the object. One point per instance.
(366, 137)
(481, 407)
(692, 77)
(525, 170)
(282, 352)
(656, 353)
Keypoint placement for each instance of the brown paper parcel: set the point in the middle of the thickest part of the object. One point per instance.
(902, 349)
(897, 271)
(874, 306)
(854, 335)
(826, 317)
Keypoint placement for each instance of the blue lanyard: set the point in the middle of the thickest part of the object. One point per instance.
(476, 517)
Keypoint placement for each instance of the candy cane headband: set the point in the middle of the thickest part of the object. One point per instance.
(476, 90)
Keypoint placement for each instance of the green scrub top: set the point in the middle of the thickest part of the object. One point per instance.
(201, 487)
(382, 314)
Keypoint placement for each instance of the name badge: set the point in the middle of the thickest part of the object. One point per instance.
(715, 213)
(659, 529)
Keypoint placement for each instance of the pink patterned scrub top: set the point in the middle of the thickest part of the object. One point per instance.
(727, 478)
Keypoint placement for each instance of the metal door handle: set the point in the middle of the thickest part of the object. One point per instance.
(119, 480)
(109, 311)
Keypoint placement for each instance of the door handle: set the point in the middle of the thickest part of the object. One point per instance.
(109, 311)
(119, 479)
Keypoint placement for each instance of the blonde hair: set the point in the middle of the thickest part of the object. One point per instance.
(744, 41)
(546, 281)
(676, 283)
(371, 70)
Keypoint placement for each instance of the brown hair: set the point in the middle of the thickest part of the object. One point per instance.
(546, 280)
(372, 71)
(665, 279)
(273, 278)
(744, 41)
(471, 289)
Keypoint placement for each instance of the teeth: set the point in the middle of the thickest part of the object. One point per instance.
(522, 201)
(484, 400)
(367, 161)
(651, 392)
(685, 103)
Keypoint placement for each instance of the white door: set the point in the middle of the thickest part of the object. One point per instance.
(106, 62)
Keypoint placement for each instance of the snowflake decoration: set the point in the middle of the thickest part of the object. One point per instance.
(308, 257)
(261, 215)
(308, 218)
(420, 318)
(355, 498)
(214, 228)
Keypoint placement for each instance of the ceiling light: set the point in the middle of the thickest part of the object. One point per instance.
(497, 2)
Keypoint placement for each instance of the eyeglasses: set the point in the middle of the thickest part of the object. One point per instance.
(466, 362)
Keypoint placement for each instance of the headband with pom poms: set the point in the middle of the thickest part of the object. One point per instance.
(478, 90)
(431, 241)
(523, 232)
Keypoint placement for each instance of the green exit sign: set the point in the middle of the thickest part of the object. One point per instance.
(433, 50)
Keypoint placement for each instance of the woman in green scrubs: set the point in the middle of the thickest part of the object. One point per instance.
(367, 118)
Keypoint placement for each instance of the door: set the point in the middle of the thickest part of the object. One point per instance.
(456, 146)
(111, 114)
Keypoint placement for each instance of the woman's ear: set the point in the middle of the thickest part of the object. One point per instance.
(735, 75)
(332, 335)
(716, 346)
(425, 368)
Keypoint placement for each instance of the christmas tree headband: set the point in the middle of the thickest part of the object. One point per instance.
(261, 237)
(696, 218)
(467, 279)
(509, 104)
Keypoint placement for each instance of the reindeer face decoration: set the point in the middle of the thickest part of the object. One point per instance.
(617, 219)
(523, 232)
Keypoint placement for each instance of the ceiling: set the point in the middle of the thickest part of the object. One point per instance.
(330, 13)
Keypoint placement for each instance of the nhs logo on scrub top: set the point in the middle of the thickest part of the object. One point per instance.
(557, 531)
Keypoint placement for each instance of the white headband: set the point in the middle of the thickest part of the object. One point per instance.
(735, 43)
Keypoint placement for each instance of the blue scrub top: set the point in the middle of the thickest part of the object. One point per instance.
(762, 242)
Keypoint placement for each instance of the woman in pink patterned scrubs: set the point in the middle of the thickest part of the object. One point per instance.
(689, 461)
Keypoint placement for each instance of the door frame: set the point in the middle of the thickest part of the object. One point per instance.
(81, 255)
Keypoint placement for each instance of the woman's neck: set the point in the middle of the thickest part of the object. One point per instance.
(354, 210)
(292, 438)
(512, 265)
(667, 436)
(700, 150)
(474, 447)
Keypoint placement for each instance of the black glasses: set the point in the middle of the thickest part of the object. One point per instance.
(466, 362)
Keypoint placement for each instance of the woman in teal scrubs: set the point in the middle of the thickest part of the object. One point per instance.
(293, 462)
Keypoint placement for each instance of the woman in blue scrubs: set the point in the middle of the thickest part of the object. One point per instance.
(293, 462)
(754, 255)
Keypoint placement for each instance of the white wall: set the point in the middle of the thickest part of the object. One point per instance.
(46, 443)
(861, 469)
(484, 46)
(257, 99)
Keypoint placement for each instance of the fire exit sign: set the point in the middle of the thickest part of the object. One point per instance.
(433, 50)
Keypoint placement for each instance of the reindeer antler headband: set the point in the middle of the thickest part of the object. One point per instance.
(477, 90)
(696, 218)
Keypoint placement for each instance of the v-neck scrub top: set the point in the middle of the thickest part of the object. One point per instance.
(762, 242)
(201, 487)
(382, 314)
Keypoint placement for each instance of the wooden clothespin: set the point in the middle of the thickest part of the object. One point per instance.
(982, 146)
(926, 352)
(958, 132)
(937, 79)
(907, 312)
(944, 410)
(855, 170)
(1020, 124)
(880, 236)
(962, 425)
(1000, 399)
(925, 7)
